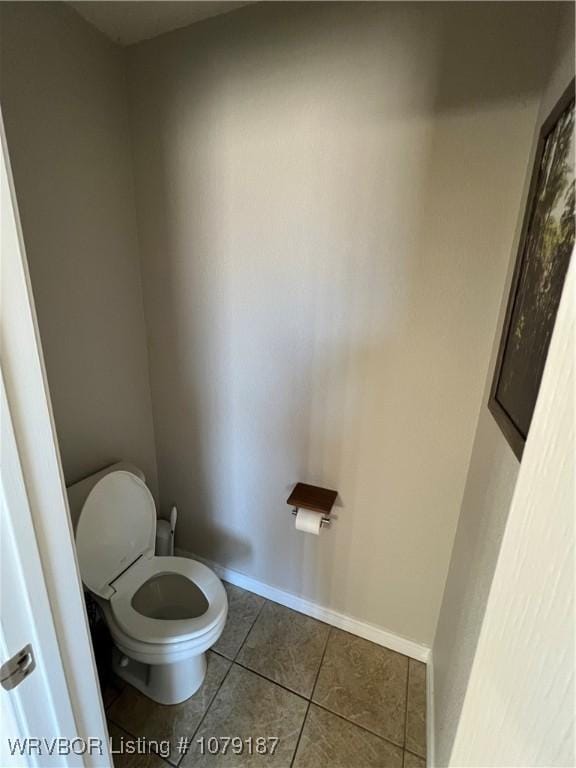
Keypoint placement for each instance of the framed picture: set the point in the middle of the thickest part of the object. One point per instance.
(546, 244)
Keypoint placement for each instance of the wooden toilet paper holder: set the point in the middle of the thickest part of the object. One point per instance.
(313, 497)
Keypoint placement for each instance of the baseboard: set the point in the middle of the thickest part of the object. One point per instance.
(371, 632)
(430, 755)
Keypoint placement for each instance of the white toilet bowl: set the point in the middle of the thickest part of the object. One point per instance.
(163, 613)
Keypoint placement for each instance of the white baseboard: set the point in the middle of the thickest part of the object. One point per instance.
(430, 755)
(371, 632)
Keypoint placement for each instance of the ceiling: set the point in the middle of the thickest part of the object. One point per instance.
(130, 21)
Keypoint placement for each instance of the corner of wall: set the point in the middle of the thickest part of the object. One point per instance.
(490, 484)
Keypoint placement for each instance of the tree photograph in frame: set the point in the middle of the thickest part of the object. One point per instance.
(546, 244)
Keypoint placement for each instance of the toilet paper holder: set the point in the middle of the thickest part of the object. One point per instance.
(324, 522)
(313, 497)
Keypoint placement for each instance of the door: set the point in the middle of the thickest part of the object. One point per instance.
(38, 706)
(40, 592)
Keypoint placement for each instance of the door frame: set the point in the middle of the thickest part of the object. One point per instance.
(30, 408)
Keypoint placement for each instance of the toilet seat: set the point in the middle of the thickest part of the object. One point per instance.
(166, 631)
(116, 527)
(115, 544)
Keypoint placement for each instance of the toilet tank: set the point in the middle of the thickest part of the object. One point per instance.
(78, 492)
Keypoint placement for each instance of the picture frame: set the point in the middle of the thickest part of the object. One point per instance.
(545, 247)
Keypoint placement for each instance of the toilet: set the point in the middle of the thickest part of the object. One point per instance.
(163, 613)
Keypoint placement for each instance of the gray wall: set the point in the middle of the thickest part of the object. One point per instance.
(65, 112)
(327, 196)
(488, 494)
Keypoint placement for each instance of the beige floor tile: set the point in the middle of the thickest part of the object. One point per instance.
(328, 741)
(122, 756)
(413, 761)
(364, 683)
(247, 706)
(141, 716)
(243, 609)
(416, 709)
(286, 647)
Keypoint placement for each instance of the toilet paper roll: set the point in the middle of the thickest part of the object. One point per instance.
(308, 522)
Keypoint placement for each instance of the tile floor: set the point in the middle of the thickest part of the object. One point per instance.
(331, 699)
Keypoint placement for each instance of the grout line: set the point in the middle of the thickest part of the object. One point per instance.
(251, 627)
(329, 633)
(222, 656)
(310, 699)
(269, 680)
(217, 691)
(362, 727)
(114, 700)
(300, 734)
(406, 707)
(233, 658)
(121, 727)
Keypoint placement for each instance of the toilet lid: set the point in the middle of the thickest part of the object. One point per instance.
(117, 525)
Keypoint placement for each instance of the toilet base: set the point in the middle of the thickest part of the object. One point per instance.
(164, 683)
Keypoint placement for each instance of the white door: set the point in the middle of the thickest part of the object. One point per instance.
(38, 706)
(57, 703)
